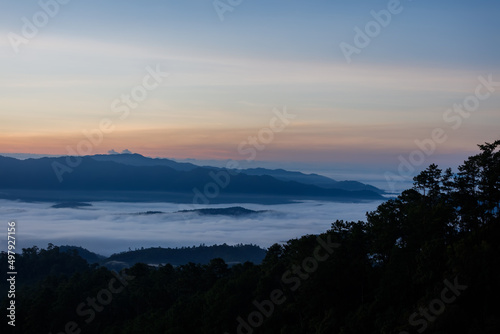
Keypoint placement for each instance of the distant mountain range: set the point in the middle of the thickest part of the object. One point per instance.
(133, 177)
(280, 174)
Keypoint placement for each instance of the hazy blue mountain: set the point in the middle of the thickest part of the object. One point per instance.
(355, 185)
(280, 174)
(135, 159)
(314, 179)
(107, 180)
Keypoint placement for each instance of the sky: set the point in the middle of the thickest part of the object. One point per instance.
(353, 85)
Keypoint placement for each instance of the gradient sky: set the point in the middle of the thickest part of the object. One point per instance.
(227, 77)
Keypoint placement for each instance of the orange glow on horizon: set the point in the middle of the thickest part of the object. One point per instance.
(298, 142)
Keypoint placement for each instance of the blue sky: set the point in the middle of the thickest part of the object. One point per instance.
(226, 77)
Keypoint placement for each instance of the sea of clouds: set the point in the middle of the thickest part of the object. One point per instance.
(111, 227)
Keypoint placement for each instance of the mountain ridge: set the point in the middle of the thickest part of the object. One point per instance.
(201, 254)
(136, 159)
(201, 185)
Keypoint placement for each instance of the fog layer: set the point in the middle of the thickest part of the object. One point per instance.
(110, 227)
